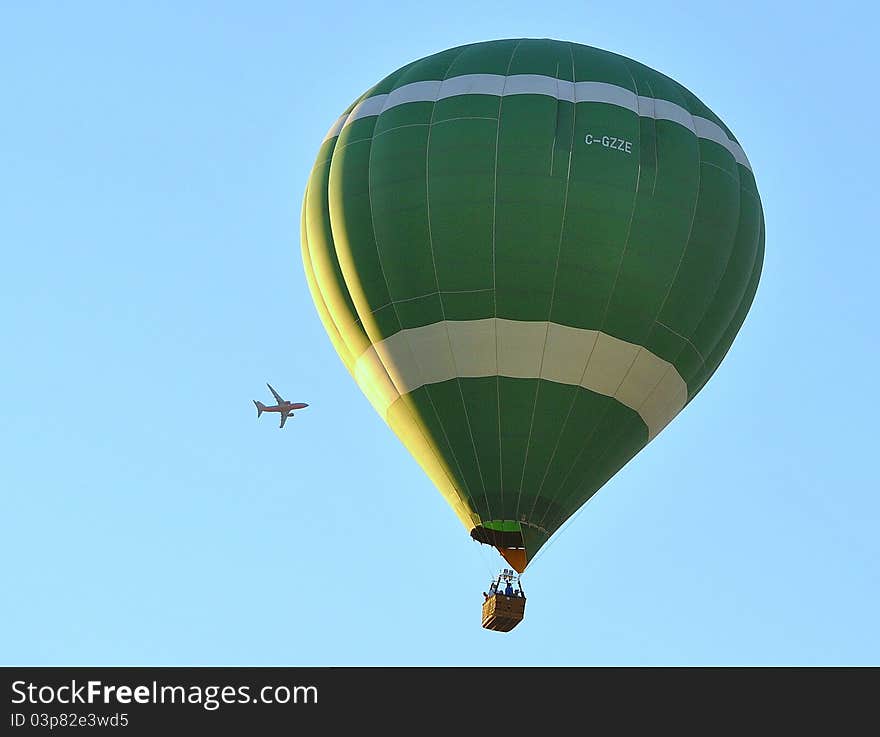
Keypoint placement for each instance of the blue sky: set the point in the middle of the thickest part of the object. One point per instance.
(153, 160)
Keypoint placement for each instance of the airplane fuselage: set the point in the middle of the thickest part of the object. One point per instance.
(286, 407)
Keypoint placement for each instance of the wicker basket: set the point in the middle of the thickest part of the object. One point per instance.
(502, 613)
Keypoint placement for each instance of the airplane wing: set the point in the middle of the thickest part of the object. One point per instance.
(283, 419)
(275, 394)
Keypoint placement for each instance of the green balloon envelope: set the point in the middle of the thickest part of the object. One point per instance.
(531, 255)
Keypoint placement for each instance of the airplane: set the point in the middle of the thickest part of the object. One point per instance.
(284, 407)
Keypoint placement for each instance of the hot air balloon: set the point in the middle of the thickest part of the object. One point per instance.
(531, 255)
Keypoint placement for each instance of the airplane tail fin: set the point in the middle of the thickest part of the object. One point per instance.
(260, 407)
